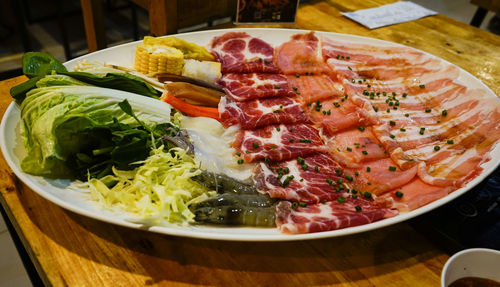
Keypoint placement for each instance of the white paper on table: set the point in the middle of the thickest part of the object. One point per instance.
(394, 13)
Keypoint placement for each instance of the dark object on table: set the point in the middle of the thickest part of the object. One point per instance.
(260, 11)
(494, 24)
(472, 220)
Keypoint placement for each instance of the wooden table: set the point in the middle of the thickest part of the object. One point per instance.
(69, 249)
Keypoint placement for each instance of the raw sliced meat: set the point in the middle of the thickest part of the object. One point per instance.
(301, 55)
(374, 55)
(337, 114)
(355, 146)
(330, 216)
(416, 194)
(310, 179)
(380, 62)
(312, 88)
(449, 152)
(278, 142)
(351, 69)
(239, 52)
(261, 112)
(380, 176)
(244, 87)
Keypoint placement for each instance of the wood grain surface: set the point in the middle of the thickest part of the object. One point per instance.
(71, 250)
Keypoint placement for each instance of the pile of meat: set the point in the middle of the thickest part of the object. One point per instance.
(346, 133)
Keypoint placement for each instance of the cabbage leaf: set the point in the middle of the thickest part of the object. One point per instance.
(81, 131)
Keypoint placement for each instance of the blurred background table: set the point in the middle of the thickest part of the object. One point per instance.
(67, 249)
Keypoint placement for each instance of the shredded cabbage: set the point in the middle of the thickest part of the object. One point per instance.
(157, 192)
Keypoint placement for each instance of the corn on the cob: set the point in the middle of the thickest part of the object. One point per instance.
(153, 59)
(190, 50)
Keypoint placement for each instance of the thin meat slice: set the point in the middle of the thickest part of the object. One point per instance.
(301, 55)
(279, 142)
(337, 114)
(353, 147)
(428, 83)
(451, 153)
(261, 112)
(244, 87)
(416, 194)
(373, 55)
(380, 176)
(310, 179)
(312, 88)
(352, 69)
(330, 216)
(352, 60)
(239, 52)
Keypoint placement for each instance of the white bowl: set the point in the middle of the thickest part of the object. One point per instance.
(475, 262)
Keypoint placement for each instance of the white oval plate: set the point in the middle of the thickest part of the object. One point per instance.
(61, 193)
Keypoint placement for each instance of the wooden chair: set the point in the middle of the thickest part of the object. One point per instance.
(483, 7)
(165, 16)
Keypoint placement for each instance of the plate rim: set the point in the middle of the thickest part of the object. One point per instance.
(198, 233)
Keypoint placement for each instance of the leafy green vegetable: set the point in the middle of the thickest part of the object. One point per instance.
(19, 92)
(40, 64)
(79, 131)
(59, 80)
(43, 67)
(124, 82)
(159, 191)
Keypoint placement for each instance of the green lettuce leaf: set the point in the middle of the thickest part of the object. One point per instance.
(40, 64)
(78, 131)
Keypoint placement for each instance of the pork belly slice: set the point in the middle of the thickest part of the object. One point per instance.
(310, 179)
(449, 153)
(332, 215)
(244, 87)
(379, 176)
(278, 142)
(372, 54)
(429, 83)
(239, 52)
(261, 112)
(416, 194)
(301, 55)
(338, 114)
(317, 87)
(385, 70)
(353, 60)
(353, 147)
